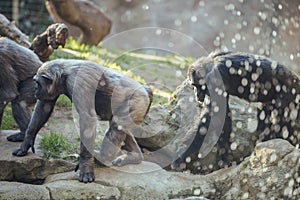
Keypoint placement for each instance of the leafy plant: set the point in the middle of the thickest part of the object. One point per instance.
(64, 101)
(57, 146)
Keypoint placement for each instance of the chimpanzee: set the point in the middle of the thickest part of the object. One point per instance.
(18, 66)
(255, 79)
(94, 90)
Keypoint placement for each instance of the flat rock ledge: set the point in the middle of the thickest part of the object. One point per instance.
(271, 172)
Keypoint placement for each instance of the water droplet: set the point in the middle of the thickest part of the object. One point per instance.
(239, 124)
(228, 63)
(233, 146)
(197, 192)
(241, 89)
(177, 22)
(256, 30)
(194, 18)
(178, 73)
(145, 7)
(285, 132)
(244, 82)
(188, 159)
(158, 31)
(237, 36)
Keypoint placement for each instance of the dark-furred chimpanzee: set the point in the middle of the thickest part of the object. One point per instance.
(94, 90)
(18, 65)
(250, 77)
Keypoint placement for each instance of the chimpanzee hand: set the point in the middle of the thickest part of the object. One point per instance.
(27, 143)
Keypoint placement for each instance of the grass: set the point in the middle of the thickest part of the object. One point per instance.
(8, 121)
(63, 102)
(56, 145)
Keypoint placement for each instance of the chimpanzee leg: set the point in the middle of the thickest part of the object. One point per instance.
(133, 154)
(2, 107)
(85, 165)
(21, 115)
(224, 140)
(20, 110)
(111, 144)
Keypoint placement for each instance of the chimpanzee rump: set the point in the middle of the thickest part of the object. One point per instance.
(18, 65)
(255, 79)
(94, 90)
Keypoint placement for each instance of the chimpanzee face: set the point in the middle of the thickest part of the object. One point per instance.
(43, 84)
(200, 88)
(49, 82)
(200, 91)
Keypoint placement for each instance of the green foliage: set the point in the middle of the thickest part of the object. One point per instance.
(8, 121)
(57, 146)
(64, 101)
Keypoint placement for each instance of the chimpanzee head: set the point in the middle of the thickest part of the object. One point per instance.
(49, 80)
(197, 73)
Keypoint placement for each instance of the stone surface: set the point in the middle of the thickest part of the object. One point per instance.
(31, 168)
(180, 118)
(15, 190)
(271, 172)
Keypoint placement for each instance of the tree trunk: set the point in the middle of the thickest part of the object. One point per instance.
(9, 29)
(82, 14)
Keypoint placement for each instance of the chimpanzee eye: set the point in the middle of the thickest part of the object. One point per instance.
(47, 79)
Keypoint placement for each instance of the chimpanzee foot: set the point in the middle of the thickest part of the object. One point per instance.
(19, 152)
(86, 168)
(17, 137)
(86, 177)
(129, 158)
(176, 164)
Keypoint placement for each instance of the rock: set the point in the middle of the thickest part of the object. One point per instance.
(29, 169)
(271, 172)
(168, 125)
(72, 189)
(143, 181)
(15, 190)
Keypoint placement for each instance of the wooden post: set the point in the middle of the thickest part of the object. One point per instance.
(15, 10)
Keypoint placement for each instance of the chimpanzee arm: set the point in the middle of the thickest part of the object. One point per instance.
(40, 116)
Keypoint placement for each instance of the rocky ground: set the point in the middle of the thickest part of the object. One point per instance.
(271, 172)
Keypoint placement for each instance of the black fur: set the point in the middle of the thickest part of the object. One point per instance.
(18, 65)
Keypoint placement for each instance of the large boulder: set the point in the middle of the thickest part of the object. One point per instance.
(168, 125)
